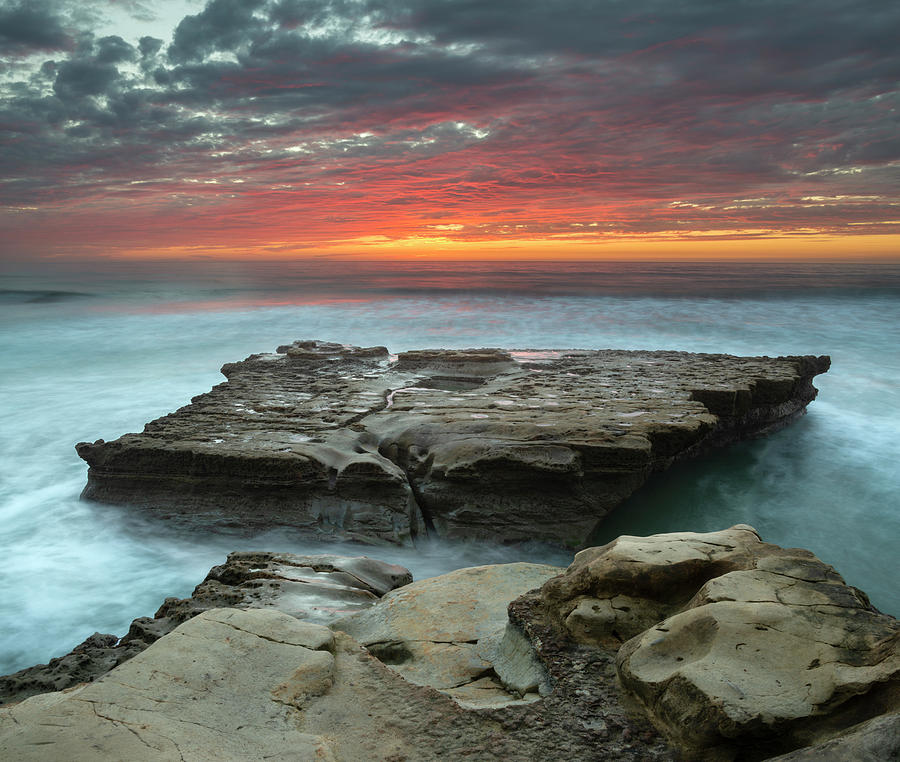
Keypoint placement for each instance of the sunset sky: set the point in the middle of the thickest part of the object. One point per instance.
(471, 128)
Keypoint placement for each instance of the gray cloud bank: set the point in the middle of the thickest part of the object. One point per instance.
(699, 113)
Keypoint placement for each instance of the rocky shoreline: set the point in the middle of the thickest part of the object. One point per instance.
(713, 646)
(356, 443)
(682, 646)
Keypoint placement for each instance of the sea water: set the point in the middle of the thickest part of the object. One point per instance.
(92, 351)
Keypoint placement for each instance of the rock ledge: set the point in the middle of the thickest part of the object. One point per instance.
(508, 445)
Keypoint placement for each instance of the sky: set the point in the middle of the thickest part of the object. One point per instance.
(449, 129)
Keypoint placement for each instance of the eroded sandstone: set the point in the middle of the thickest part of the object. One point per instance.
(450, 633)
(507, 445)
(225, 686)
(736, 648)
(233, 685)
(756, 651)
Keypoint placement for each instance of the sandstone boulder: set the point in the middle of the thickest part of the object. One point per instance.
(611, 593)
(780, 654)
(736, 648)
(452, 633)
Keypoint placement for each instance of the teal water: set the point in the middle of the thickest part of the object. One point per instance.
(90, 352)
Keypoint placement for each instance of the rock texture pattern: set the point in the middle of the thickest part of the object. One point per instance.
(223, 686)
(318, 588)
(257, 684)
(877, 740)
(358, 443)
(450, 632)
(757, 651)
(735, 647)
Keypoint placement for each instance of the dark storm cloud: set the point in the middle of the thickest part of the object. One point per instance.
(28, 26)
(642, 104)
(149, 46)
(795, 35)
(222, 25)
(78, 78)
(114, 49)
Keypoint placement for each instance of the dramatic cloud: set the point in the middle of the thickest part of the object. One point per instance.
(30, 26)
(291, 125)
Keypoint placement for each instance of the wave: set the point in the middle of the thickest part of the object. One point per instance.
(39, 296)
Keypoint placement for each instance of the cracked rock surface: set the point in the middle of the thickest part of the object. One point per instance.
(257, 684)
(756, 651)
(225, 685)
(508, 445)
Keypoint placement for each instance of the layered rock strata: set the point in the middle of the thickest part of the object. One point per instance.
(317, 588)
(507, 445)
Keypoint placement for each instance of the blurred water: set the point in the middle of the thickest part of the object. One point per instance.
(90, 352)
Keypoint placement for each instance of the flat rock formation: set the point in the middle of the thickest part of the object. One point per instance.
(317, 588)
(713, 646)
(508, 445)
(226, 685)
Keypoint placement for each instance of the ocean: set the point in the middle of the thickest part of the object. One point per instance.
(94, 350)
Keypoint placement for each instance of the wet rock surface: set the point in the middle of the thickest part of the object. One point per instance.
(317, 588)
(508, 445)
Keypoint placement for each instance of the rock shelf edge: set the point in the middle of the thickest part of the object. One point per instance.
(356, 443)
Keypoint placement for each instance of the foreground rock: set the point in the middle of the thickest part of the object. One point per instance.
(236, 685)
(318, 588)
(450, 632)
(223, 686)
(712, 646)
(352, 442)
(736, 648)
(877, 740)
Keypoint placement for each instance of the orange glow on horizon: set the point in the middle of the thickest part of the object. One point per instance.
(710, 246)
